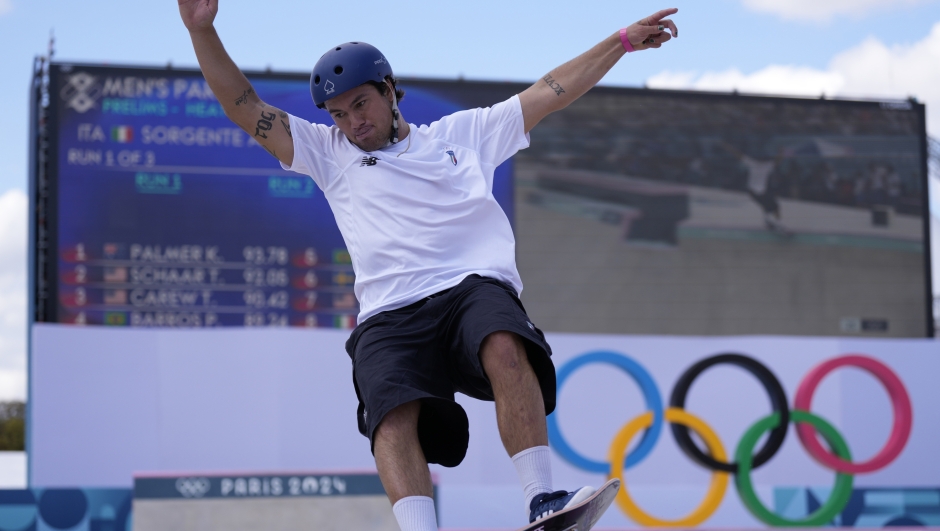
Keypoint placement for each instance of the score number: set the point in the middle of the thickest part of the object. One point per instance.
(258, 299)
(261, 319)
(265, 255)
(266, 277)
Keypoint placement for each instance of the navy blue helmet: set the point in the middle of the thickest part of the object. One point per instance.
(346, 67)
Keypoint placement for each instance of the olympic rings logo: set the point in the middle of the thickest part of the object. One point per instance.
(193, 487)
(838, 458)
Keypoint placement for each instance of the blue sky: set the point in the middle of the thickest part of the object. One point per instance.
(485, 39)
(857, 48)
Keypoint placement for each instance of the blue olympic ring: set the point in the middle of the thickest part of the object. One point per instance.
(651, 394)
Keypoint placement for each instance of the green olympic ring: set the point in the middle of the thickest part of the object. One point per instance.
(841, 492)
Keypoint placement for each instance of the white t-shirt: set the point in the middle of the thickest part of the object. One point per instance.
(758, 173)
(418, 223)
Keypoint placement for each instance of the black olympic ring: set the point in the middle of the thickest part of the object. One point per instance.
(778, 400)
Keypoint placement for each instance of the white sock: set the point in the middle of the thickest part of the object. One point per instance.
(535, 472)
(415, 513)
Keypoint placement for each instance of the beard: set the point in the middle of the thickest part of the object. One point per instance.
(374, 142)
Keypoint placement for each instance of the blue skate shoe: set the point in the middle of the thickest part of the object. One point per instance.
(549, 503)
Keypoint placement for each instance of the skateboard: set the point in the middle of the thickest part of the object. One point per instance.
(582, 516)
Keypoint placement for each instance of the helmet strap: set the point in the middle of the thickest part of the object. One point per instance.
(396, 116)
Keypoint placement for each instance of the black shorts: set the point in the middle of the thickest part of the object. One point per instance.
(429, 350)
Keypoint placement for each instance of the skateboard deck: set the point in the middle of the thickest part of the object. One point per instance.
(582, 516)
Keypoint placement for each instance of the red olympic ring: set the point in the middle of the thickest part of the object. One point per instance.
(900, 402)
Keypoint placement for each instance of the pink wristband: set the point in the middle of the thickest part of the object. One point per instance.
(626, 42)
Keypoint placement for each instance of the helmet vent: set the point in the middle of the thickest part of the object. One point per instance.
(316, 80)
(338, 70)
(338, 48)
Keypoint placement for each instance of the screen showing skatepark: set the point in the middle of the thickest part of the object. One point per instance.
(664, 212)
(670, 213)
(635, 211)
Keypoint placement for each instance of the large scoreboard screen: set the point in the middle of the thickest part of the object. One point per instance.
(169, 215)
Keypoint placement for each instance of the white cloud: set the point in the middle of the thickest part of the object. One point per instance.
(873, 69)
(823, 10)
(5, 7)
(776, 79)
(13, 235)
(869, 70)
(12, 385)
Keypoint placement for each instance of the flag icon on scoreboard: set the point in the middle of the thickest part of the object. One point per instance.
(115, 274)
(343, 278)
(122, 134)
(115, 318)
(345, 300)
(346, 322)
(117, 297)
(341, 256)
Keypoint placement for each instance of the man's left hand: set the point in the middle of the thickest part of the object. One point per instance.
(651, 32)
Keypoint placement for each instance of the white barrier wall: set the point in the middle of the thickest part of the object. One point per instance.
(109, 402)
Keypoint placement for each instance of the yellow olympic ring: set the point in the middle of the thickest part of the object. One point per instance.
(716, 490)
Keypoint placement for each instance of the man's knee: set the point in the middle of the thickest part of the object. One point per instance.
(400, 422)
(503, 351)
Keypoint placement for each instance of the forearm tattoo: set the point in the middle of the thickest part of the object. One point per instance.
(244, 97)
(554, 85)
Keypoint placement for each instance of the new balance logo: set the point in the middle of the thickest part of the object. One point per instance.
(369, 161)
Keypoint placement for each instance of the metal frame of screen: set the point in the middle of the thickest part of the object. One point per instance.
(39, 224)
(925, 170)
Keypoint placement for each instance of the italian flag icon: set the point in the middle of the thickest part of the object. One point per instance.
(122, 134)
(346, 322)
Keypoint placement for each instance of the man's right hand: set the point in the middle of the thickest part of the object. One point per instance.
(198, 14)
(267, 125)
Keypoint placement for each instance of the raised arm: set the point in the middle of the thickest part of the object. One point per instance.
(268, 125)
(571, 80)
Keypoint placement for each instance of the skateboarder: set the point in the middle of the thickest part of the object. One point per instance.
(433, 253)
(759, 186)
